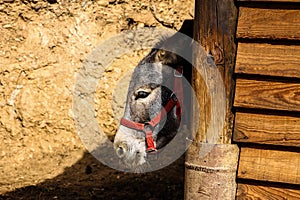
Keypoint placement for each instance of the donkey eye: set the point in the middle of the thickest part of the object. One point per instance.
(141, 94)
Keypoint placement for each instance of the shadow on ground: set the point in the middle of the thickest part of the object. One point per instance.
(89, 179)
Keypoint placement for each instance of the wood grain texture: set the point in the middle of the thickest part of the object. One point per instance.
(215, 29)
(268, 59)
(211, 175)
(260, 23)
(267, 129)
(263, 94)
(269, 165)
(247, 191)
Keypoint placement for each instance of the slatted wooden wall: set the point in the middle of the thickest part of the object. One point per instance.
(267, 99)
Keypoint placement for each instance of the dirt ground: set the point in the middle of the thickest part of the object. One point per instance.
(43, 45)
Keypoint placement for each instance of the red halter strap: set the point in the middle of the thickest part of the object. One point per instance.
(148, 127)
(178, 90)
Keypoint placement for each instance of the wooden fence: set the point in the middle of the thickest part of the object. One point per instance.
(267, 99)
(256, 46)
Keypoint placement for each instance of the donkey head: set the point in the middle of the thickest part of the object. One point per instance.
(153, 110)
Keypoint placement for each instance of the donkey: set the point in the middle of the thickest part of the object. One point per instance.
(156, 104)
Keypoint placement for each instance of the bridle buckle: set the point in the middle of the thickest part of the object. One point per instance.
(148, 127)
(178, 72)
(174, 97)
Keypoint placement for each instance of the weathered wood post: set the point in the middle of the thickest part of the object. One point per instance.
(211, 160)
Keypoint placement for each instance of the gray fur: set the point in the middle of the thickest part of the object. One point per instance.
(154, 75)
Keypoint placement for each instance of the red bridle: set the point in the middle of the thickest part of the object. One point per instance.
(149, 126)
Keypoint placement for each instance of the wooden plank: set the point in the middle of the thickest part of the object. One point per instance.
(264, 94)
(211, 176)
(262, 23)
(270, 1)
(250, 191)
(268, 59)
(267, 129)
(215, 29)
(269, 165)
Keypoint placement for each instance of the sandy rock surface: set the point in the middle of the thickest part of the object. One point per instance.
(42, 46)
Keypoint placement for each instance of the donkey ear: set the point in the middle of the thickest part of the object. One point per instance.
(187, 28)
(165, 57)
(185, 35)
(180, 43)
(160, 55)
(182, 39)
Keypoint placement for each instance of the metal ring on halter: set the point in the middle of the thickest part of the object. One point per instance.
(174, 97)
(148, 127)
(177, 73)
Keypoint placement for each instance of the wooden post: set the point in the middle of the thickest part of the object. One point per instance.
(211, 160)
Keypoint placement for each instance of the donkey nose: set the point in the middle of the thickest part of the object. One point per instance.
(121, 149)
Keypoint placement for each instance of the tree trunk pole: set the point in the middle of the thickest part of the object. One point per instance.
(211, 160)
